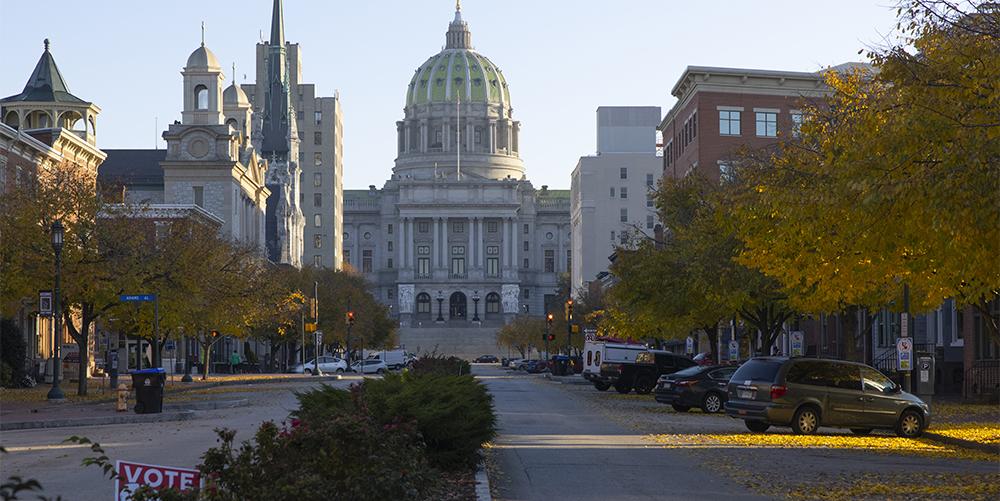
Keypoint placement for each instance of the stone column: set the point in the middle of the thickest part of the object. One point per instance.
(505, 244)
(400, 246)
(492, 133)
(517, 245)
(561, 253)
(445, 135)
(470, 242)
(436, 239)
(409, 242)
(405, 130)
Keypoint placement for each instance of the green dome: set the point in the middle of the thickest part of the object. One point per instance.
(458, 73)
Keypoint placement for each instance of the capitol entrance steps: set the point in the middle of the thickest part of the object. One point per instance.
(463, 342)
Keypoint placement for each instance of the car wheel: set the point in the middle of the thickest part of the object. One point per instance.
(309, 371)
(910, 425)
(861, 431)
(712, 403)
(380, 372)
(623, 388)
(680, 408)
(644, 385)
(602, 386)
(756, 426)
(339, 370)
(806, 420)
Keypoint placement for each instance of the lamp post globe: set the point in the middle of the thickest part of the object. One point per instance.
(56, 393)
(475, 306)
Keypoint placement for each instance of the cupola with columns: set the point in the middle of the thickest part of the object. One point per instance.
(203, 80)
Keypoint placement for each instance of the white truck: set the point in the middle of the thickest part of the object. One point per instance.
(394, 359)
(606, 350)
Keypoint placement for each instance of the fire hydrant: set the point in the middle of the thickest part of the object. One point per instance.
(122, 398)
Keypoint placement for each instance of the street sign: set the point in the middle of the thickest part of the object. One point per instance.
(797, 343)
(131, 476)
(45, 303)
(589, 334)
(904, 325)
(904, 353)
(137, 298)
(689, 347)
(319, 337)
(310, 327)
(734, 350)
(170, 345)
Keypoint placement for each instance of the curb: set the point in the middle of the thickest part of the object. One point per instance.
(967, 444)
(482, 484)
(567, 379)
(209, 405)
(98, 421)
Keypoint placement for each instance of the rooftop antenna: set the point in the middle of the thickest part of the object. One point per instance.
(203, 33)
(234, 73)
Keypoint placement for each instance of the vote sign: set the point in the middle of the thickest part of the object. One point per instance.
(132, 476)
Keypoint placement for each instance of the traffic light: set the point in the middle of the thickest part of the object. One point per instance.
(350, 318)
(313, 308)
(569, 309)
(552, 337)
(548, 318)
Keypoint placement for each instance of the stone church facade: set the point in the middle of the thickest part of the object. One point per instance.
(458, 241)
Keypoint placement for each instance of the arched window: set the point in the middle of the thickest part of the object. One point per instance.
(493, 303)
(233, 123)
(201, 97)
(424, 305)
(12, 119)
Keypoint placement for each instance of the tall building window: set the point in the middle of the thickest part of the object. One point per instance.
(729, 123)
(492, 303)
(623, 191)
(726, 174)
(649, 200)
(388, 246)
(525, 246)
(458, 250)
(612, 235)
(347, 256)
(388, 229)
(796, 124)
(318, 241)
(423, 267)
(423, 226)
(317, 179)
(624, 215)
(493, 250)
(569, 259)
(550, 261)
(458, 266)
(525, 264)
(767, 124)
(319, 117)
(317, 260)
(317, 160)
(649, 180)
(479, 135)
(300, 115)
(493, 267)
(649, 221)
(424, 250)
(199, 195)
(612, 192)
(366, 261)
(424, 303)
(491, 226)
(388, 263)
(317, 138)
(317, 220)
(525, 229)
(526, 294)
(317, 199)
(201, 97)
(623, 172)
(458, 227)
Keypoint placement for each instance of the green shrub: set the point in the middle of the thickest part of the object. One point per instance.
(13, 351)
(432, 363)
(325, 402)
(348, 456)
(454, 414)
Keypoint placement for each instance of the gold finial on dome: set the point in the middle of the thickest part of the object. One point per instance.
(458, 5)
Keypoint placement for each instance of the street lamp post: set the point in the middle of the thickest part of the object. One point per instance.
(440, 298)
(548, 333)
(569, 325)
(57, 244)
(475, 306)
(187, 363)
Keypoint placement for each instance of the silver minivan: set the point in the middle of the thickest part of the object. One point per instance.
(806, 393)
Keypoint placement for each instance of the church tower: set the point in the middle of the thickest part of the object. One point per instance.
(278, 143)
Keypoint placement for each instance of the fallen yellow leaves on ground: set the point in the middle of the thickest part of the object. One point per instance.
(986, 433)
(879, 443)
(923, 486)
(957, 412)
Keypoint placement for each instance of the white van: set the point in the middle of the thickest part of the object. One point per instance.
(597, 352)
(394, 359)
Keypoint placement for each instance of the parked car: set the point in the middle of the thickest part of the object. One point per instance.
(370, 366)
(703, 359)
(643, 373)
(487, 359)
(697, 386)
(326, 364)
(806, 393)
(536, 366)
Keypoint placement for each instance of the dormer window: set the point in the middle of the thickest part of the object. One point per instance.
(201, 97)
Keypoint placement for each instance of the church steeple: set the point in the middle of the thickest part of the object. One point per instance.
(458, 36)
(277, 25)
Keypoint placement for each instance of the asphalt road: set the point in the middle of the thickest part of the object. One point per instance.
(41, 454)
(552, 447)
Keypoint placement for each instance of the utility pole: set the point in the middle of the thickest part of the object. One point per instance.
(548, 333)
(569, 326)
(350, 323)
(904, 331)
(319, 336)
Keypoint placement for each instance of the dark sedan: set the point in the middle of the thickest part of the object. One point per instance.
(698, 386)
(487, 359)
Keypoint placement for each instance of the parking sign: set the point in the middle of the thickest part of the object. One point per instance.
(904, 353)
(734, 350)
(797, 342)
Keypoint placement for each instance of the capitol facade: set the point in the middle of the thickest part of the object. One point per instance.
(458, 241)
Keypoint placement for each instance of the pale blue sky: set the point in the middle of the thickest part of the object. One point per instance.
(562, 58)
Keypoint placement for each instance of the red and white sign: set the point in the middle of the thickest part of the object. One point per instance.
(131, 476)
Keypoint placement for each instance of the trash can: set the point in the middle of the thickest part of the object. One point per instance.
(559, 365)
(148, 385)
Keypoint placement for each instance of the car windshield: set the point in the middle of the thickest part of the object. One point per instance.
(690, 371)
(758, 369)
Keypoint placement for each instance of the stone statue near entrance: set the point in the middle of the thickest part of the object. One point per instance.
(406, 298)
(508, 294)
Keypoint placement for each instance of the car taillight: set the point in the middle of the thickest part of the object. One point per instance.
(778, 391)
(621, 367)
(684, 383)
